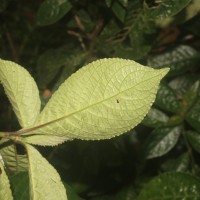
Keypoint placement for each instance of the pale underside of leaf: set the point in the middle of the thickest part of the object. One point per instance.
(22, 92)
(5, 191)
(45, 182)
(103, 99)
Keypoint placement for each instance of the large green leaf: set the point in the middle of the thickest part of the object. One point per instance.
(165, 8)
(44, 181)
(172, 186)
(52, 10)
(5, 191)
(162, 141)
(104, 99)
(21, 91)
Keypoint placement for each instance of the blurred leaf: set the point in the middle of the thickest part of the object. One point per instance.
(119, 10)
(108, 2)
(155, 118)
(5, 191)
(191, 95)
(171, 186)
(192, 9)
(58, 62)
(165, 8)
(20, 186)
(166, 99)
(108, 94)
(194, 140)
(21, 91)
(181, 84)
(161, 141)
(126, 193)
(71, 195)
(4, 4)
(179, 164)
(178, 59)
(51, 11)
(193, 116)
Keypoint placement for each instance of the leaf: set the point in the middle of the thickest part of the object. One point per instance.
(194, 140)
(193, 116)
(161, 141)
(178, 59)
(51, 11)
(71, 194)
(58, 62)
(22, 92)
(119, 10)
(44, 180)
(173, 186)
(20, 185)
(13, 161)
(165, 8)
(103, 99)
(5, 191)
(179, 164)
(191, 95)
(155, 118)
(166, 99)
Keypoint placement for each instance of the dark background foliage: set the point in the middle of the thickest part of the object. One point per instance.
(54, 38)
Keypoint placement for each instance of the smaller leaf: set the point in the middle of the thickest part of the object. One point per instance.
(5, 191)
(193, 116)
(166, 99)
(171, 186)
(191, 95)
(155, 118)
(22, 92)
(119, 10)
(161, 141)
(179, 164)
(194, 140)
(44, 181)
(179, 59)
(165, 8)
(51, 11)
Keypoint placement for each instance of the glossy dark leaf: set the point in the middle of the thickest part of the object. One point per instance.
(161, 141)
(165, 8)
(51, 11)
(155, 118)
(167, 99)
(179, 164)
(194, 140)
(191, 95)
(179, 59)
(193, 116)
(172, 186)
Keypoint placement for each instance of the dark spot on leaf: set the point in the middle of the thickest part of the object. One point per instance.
(117, 101)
